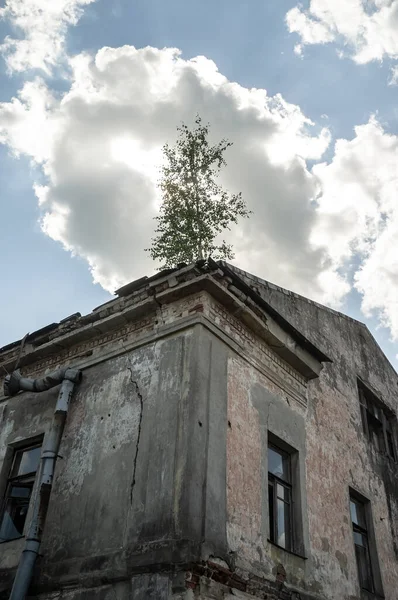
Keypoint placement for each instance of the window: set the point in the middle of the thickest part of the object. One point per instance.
(365, 547)
(378, 422)
(280, 497)
(25, 463)
(361, 541)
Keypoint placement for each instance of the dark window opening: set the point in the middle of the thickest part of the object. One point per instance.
(378, 422)
(18, 492)
(280, 498)
(360, 531)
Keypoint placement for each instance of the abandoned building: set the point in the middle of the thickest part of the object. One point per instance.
(213, 436)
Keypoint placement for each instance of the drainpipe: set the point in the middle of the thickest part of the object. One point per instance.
(12, 385)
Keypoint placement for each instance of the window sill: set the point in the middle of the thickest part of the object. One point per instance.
(288, 551)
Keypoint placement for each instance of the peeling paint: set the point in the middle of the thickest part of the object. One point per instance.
(162, 486)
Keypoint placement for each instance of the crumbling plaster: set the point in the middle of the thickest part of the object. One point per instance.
(338, 454)
(164, 451)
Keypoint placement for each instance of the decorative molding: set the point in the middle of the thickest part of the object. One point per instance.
(289, 380)
(86, 348)
(171, 318)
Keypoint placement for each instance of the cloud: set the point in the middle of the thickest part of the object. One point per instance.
(394, 76)
(377, 279)
(358, 216)
(99, 147)
(368, 27)
(41, 27)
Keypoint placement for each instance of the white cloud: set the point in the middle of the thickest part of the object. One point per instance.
(394, 76)
(377, 279)
(368, 27)
(311, 31)
(100, 147)
(298, 49)
(31, 123)
(41, 26)
(358, 216)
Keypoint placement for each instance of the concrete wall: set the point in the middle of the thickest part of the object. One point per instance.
(256, 407)
(164, 467)
(338, 454)
(141, 481)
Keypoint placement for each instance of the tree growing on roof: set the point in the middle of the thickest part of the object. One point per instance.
(195, 209)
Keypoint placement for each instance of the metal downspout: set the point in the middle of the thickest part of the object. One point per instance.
(12, 385)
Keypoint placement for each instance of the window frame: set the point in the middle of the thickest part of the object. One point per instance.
(367, 531)
(378, 422)
(362, 530)
(274, 481)
(11, 480)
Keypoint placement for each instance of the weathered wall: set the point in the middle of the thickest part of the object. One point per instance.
(125, 492)
(141, 481)
(164, 460)
(255, 407)
(338, 454)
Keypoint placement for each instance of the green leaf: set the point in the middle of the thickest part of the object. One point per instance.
(195, 208)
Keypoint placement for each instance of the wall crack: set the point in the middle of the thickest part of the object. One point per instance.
(140, 398)
(268, 414)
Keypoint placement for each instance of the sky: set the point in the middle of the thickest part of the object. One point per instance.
(92, 89)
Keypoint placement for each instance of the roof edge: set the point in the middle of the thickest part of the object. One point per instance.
(284, 323)
(279, 288)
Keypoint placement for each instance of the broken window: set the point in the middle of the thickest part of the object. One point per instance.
(18, 491)
(280, 497)
(378, 421)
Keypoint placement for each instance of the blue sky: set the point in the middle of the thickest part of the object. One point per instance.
(326, 216)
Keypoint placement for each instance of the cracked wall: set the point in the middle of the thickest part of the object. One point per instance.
(256, 406)
(119, 438)
(164, 460)
(337, 453)
(135, 478)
